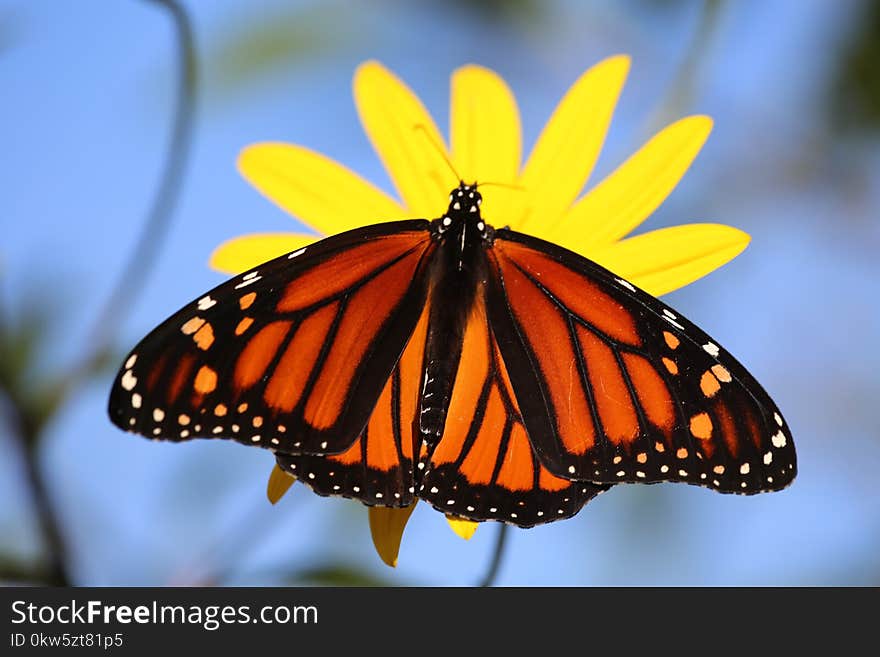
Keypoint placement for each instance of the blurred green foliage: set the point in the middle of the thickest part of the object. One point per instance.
(338, 574)
(33, 398)
(277, 40)
(855, 103)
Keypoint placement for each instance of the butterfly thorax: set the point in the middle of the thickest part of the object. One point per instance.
(459, 277)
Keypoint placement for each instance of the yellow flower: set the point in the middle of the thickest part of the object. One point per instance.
(486, 145)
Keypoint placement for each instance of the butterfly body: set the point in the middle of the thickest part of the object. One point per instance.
(492, 374)
(459, 274)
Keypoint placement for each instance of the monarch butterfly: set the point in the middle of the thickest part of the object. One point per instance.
(493, 374)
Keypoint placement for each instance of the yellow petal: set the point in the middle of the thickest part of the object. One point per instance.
(569, 145)
(386, 526)
(279, 482)
(629, 195)
(485, 135)
(664, 260)
(315, 189)
(462, 527)
(242, 253)
(414, 157)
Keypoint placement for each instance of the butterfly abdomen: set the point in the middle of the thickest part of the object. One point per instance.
(456, 278)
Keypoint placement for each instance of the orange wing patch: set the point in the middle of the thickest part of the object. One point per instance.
(517, 468)
(180, 376)
(479, 464)
(258, 353)
(343, 271)
(288, 382)
(652, 393)
(610, 391)
(582, 297)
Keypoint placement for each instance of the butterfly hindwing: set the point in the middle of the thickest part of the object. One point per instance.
(484, 467)
(292, 355)
(617, 387)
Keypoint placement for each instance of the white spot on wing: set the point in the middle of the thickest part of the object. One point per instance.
(131, 361)
(673, 322)
(296, 253)
(206, 302)
(778, 439)
(712, 349)
(128, 381)
(247, 281)
(626, 284)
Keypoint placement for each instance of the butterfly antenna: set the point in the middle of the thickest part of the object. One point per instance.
(518, 188)
(440, 150)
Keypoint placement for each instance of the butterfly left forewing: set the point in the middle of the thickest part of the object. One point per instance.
(378, 467)
(291, 355)
(617, 387)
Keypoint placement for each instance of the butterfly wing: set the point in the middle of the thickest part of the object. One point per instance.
(484, 467)
(378, 467)
(616, 387)
(292, 355)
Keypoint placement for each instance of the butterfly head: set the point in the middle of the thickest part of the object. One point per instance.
(464, 199)
(463, 210)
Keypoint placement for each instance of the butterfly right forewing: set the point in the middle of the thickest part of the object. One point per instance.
(617, 387)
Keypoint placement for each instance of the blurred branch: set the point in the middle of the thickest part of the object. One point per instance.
(27, 408)
(498, 552)
(335, 575)
(25, 429)
(167, 194)
(277, 39)
(681, 91)
(31, 406)
(854, 94)
(13, 572)
(10, 30)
